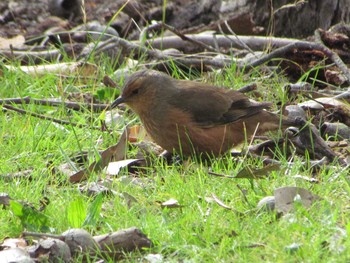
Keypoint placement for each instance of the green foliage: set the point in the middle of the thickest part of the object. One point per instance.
(93, 211)
(76, 213)
(31, 219)
(79, 214)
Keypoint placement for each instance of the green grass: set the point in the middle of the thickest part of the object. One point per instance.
(199, 231)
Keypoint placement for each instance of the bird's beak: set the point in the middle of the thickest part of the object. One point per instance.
(117, 102)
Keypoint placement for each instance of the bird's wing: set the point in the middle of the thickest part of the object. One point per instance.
(209, 108)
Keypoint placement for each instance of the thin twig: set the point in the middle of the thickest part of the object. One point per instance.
(9, 107)
(243, 194)
(244, 45)
(220, 175)
(135, 50)
(55, 103)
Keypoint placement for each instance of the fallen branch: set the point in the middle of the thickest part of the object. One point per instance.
(161, 25)
(255, 43)
(126, 240)
(136, 51)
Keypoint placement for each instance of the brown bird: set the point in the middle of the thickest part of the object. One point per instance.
(194, 118)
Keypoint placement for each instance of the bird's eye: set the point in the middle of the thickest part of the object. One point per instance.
(135, 91)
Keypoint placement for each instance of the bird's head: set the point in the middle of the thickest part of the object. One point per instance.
(144, 89)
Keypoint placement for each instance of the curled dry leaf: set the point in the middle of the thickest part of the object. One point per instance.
(171, 203)
(114, 168)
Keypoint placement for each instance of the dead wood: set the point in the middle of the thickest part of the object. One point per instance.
(125, 240)
(256, 43)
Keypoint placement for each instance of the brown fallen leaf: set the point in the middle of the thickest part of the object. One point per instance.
(287, 197)
(115, 152)
(250, 173)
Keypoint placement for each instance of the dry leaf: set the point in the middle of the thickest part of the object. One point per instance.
(13, 242)
(171, 203)
(287, 197)
(115, 152)
(138, 133)
(317, 104)
(114, 168)
(249, 173)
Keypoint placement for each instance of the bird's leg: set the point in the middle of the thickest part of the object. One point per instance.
(170, 157)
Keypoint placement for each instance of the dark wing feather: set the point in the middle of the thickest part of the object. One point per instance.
(210, 108)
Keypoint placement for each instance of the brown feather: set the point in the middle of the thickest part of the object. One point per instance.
(191, 117)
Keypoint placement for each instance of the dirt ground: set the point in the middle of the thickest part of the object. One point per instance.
(29, 17)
